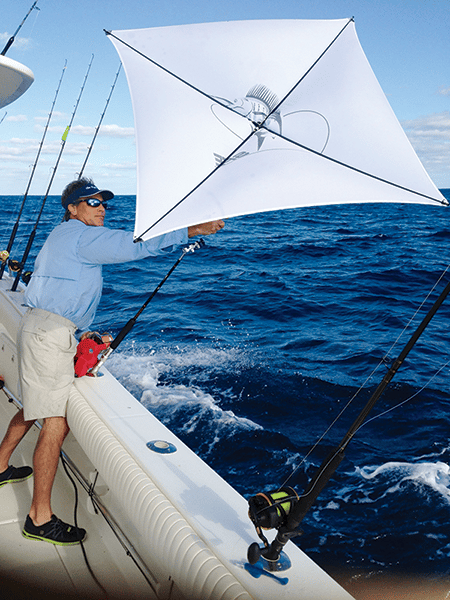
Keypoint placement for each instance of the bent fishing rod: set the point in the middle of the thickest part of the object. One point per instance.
(129, 326)
(16, 225)
(13, 37)
(21, 264)
(284, 509)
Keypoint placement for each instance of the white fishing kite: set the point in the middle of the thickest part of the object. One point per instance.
(241, 117)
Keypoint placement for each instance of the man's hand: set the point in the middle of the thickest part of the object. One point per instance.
(206, 228)
(105, 338)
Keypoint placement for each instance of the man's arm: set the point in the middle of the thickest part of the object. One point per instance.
(205, 228)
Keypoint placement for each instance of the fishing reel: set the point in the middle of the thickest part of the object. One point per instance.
(270, 510)
(88, 350)
(15, 267)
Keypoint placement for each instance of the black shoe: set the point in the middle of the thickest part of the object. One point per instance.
(55, 532)
(13, 474)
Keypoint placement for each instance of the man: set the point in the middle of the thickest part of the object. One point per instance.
(62, 297)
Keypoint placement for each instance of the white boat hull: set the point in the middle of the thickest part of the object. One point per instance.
(186, 527)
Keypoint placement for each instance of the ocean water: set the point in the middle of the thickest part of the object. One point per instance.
(272, 338)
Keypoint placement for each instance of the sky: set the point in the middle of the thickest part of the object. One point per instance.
(405, 41)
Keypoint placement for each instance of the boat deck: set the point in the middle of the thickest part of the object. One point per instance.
(53, 569)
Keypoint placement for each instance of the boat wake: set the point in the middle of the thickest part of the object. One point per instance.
(143, 376)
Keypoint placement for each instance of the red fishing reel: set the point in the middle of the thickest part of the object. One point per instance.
(88, 351)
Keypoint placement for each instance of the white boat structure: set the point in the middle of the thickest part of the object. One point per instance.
(15, 79)
(161, 523)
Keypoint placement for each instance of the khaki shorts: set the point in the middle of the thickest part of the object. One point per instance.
(46, 346)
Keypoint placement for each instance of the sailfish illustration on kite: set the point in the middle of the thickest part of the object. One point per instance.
(261, 104)
(225, 128)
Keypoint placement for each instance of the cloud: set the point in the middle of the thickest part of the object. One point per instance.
(17, 118)
(430, 137)
(113, 131)
(56, 116)
(26, 149)
(431, 126)
(444, 91)
(20, 43)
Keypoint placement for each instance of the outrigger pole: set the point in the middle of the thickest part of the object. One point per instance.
(290, 526)
(13, 37)
(14, 231)
(129, 326)
(99, 123)
(63, 143)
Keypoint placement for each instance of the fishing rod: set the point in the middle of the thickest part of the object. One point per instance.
(14, 231)
(100, 122)
(3, 118)
(19, 266)
(13, 37)
(284, 509)
(129, 326)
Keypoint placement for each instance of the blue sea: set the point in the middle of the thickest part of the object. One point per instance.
(257, 343)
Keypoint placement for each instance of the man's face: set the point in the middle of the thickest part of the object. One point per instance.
(89, 215)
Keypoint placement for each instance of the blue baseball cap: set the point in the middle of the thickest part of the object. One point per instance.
(85, 192)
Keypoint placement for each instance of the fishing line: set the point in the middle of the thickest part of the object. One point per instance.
(63, 143)
(13, 37)
(131, 323)
(382, 414)
(362, 386)
(16, 225)
(366, 422)
(288, 526)
(325, 466)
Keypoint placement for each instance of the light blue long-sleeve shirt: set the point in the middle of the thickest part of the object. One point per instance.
(67, 279)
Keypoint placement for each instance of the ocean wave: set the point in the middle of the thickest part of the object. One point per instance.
(427, 475)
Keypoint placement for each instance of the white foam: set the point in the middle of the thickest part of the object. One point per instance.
(434, 475)
(139, 373)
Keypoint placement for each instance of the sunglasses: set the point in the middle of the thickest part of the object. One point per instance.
(95, 202)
